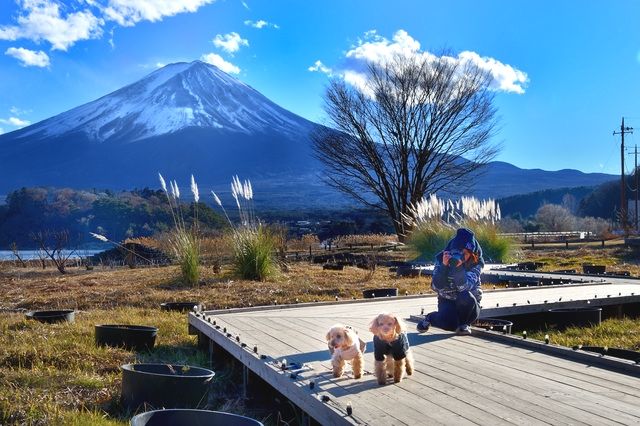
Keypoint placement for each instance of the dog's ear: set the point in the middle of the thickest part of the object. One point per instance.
(328, 336)
(400, 327)
(373, 326)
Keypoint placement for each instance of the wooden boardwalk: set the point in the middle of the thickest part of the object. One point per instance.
(482, 379)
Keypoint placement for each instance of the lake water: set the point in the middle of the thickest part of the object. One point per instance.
(33, 254)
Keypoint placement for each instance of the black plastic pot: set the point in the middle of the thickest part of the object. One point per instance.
(333, 267)
(574, 317)
(594, 269)
(165, 385)
(494, 324)
(179, 306)
(615, 352)
(135, 337)
(527, 266)
(175, 417)
(52, 316)
(379, 292)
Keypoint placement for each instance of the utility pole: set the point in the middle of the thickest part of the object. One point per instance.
(623, 197)
(635, 170)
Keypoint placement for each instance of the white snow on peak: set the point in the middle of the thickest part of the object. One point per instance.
(172, 98)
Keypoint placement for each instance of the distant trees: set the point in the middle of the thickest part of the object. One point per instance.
(403, 133)
(554, 217)
(118, 215)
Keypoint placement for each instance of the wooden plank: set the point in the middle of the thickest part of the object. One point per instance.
(597, 405)
(617, 381)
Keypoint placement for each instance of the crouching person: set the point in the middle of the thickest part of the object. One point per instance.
(456, 280)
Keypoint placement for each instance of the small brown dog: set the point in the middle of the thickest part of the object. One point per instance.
(345, 345)
(391, 348)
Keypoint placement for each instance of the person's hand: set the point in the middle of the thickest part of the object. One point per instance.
(445, 258)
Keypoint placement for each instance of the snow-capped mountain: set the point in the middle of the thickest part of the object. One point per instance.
(171, 99)
(183, 118)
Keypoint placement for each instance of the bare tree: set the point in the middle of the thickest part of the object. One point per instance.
(16, 254)
(554, 217)
(54, 244)
(416, 126)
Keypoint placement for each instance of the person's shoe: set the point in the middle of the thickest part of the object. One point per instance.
(463, 330)
(423, 325)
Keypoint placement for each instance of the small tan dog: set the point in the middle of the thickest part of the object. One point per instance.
(391, 348)
(345, 345)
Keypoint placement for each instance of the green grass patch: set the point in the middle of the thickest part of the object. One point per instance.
(613, 333)
(54, 373)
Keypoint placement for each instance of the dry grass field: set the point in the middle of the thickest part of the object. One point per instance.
(53, 374)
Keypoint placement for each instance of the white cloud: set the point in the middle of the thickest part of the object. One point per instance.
(318, 66)
(375, 49)
(29, 58)
(218, 61)
(1, 130)
(129, 12)
(14, 121)
(260, 24)
(18, 111)
(62, 24)
(230, 42)
(43, 20)
(246, 6)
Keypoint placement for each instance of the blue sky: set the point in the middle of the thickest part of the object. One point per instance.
(565, 72)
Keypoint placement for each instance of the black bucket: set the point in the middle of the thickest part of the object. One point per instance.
(180, 306)
(495, 324)
(191, 417)
(134, 337)
(594, 269)
(332, 267)
(379, 292)
(574, 317)
(165, 385)
(52, 316)
(615, 352)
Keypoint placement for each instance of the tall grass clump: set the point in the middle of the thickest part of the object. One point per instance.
(254, 243)
(184, 239)
(434, 222)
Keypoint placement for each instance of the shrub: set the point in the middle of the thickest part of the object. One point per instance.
(255, 245)
(254, 253)
(434, 223)
(184, 240)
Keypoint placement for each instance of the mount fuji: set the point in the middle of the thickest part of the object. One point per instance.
(192, 118)
(182, 119)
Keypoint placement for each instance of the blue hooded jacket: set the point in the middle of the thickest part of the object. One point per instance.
(465, 278)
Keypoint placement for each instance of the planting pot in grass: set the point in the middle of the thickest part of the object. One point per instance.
(135, 337)
(594, 269)
(174, 417)
(527, 266)
(379, 292)
(615, 352)
(333, 267)
(494, 324)
(180, 306)
(408, 271)
(52, 316)
(165, 385)
(574, 317)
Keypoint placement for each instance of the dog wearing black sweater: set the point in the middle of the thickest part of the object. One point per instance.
(391, 348)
